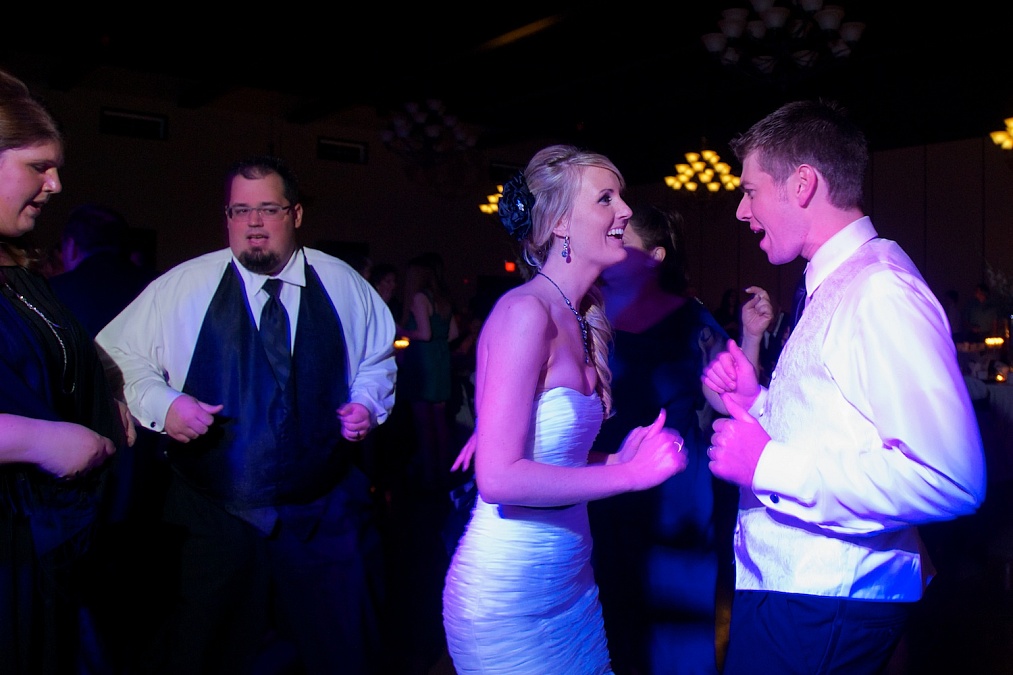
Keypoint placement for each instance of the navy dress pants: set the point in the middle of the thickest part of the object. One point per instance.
(790, 634)
(316, 589)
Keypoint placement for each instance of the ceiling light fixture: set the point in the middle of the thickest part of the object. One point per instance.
(703, 169)
(425, 134)
(438, 150)
(1004, 137)
(782, 40)
(492, 202)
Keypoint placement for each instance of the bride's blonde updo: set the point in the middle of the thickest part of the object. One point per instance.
(532, 203)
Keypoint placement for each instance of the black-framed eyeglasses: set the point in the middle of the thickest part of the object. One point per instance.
(267, 211)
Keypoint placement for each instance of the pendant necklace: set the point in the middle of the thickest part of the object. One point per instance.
(581, 321)
(52, 327)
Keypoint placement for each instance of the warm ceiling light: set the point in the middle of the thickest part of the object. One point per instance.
(1004, 138)
(703, 168)
(492, 201)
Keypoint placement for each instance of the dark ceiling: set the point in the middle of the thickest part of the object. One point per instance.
(634, 83)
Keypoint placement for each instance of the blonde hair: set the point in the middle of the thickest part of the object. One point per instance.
(553, 176)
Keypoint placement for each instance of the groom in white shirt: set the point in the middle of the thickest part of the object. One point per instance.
(865, 432)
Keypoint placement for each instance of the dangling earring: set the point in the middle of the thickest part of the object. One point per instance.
(566, 248)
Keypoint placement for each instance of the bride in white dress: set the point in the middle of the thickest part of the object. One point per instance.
(520, 595)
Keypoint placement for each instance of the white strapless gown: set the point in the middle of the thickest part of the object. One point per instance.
(520, 596)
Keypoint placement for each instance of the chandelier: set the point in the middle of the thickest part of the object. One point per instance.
(425, 133)
(782, 39)
(438, 150)
(491, 204)
(703, 169)
(1004, 137)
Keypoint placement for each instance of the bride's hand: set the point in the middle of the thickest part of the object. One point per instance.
(463, 460)
(653, 453)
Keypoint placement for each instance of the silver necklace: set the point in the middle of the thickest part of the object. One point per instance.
(581, 321)
(52, 327)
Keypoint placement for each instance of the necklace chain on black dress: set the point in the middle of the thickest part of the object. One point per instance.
(580, 319)
(52, 327)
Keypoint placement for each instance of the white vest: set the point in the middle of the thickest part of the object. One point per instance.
(804, 408)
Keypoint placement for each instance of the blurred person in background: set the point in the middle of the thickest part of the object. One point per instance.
(98, 281)
(98, 278)
(425, 373)
(658, 551)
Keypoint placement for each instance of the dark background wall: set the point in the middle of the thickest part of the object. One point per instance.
(949, 204)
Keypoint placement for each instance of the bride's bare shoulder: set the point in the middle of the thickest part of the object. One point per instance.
(519, 311)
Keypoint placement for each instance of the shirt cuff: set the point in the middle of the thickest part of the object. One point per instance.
(783, 473)
(155, 407)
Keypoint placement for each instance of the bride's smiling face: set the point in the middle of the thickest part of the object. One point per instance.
(598, 218)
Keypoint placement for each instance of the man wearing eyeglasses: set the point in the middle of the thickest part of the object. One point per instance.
(278, 534)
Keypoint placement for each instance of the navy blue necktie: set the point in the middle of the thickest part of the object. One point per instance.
(800, 296)
(274, 332)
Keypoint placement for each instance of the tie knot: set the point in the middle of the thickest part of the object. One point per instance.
(273, 287)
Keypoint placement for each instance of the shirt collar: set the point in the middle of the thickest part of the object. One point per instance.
(836, 250)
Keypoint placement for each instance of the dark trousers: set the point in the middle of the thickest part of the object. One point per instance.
(787, 633)
(316, 591)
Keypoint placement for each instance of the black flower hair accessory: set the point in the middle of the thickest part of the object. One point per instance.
(515, 207)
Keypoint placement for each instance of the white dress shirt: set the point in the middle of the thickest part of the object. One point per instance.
(872, 433)
(153, 339)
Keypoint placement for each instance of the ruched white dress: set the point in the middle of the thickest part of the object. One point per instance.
(520, 595)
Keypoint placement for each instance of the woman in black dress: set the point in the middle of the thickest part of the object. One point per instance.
(59, 422)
